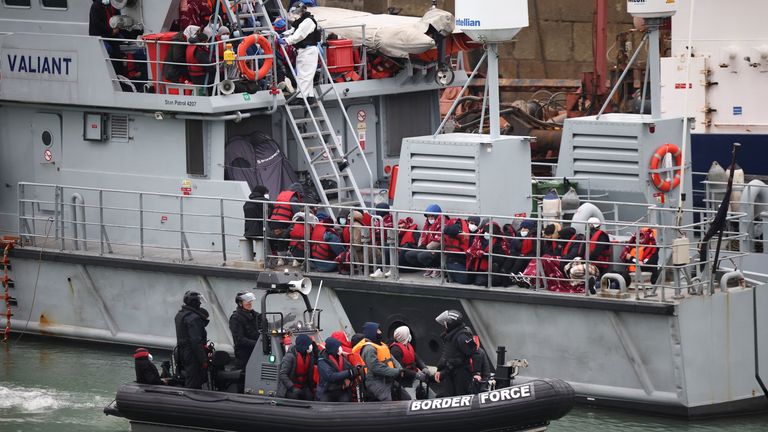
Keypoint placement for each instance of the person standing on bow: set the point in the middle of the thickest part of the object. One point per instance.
(454, 372)
(191, 339)
(304, 36)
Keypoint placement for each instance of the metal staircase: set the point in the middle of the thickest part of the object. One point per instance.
(312, 129)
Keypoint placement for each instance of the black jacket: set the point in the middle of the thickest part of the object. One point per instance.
(331, 378)
(245, 326)
(98, 20)
(480, 364)
(146, 372)
(190, 331)
(254, 210)
(458, 346)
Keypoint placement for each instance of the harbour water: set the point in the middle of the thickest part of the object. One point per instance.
(53, 385)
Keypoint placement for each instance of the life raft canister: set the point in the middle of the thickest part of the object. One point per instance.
(658, 182)
(242, 51)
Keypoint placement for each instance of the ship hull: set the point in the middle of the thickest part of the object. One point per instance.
(695, 358)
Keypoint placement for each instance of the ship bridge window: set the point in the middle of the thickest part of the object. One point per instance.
(54, 4)
(17, 3)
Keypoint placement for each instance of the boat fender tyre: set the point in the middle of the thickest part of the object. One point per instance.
(242, 51)
(658, 157)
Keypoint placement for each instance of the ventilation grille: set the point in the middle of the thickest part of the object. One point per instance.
(119, 128)
(443, 177)
(269, 371)
(606, 157)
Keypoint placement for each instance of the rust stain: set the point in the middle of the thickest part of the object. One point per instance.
(44, 323)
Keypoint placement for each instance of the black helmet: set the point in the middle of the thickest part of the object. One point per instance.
(193, 299)
(449, 318)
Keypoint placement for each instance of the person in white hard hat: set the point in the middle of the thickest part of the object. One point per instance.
(304, 36)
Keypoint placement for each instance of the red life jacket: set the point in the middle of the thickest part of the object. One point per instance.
(376, 231)
(297, 235)
(526, 247)
(346, 237)
(320, 249)
(430, 233)
(339, 363)
(282, 210)
(302, 370)
(407, 235)
(194, 71)
(605, 256)
(568, 245)
(409, 355)
(457, 243)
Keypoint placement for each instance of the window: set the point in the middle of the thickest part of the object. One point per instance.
(54, 4)
(17, 3)
(195, 148)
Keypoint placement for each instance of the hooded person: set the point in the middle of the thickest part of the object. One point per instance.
(174, 68)
(453, 369)
(336, 374)
(522, 249)
(296, 371)
(571, 244)
(191, 340)
(245, 325)
(381, 370)
(488, 251)
(288, 204)
(304, 36)
(381, 234)
(480, 367)
(253, 212)
(403, 351)
(600, 252)
(428, 253)
(458, 234)
(146, 371)
(646, 256)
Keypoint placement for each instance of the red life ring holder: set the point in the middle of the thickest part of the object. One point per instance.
(242, 51)
(658, 182)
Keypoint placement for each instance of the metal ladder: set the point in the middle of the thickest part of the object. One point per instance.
(253, 9)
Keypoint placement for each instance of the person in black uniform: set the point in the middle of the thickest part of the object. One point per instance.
(453, 369)
(253, 211)
(191, 338)
(245, 325)
(146, 371)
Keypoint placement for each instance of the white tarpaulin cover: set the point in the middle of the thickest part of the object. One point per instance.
(391, 35)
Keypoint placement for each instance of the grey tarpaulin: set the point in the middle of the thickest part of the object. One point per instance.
(257, 159)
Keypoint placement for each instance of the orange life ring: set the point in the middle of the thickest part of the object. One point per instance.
(242, 51)
(666, 185)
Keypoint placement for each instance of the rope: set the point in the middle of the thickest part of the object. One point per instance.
(6, 282)
(49, 225)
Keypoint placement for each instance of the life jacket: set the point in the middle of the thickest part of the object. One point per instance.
(430, 233)
(407, 235)
(282, 210)
(194, 69)
(320, 249)
(339, 363)
(313, 38)
(377, 227)
(526, 246)
(382, 353)
(568, 245)
(302, 370)
(297, 235)
(457, 243)
(605, 256)
(346, 237)
(409, 355)
(646, 251)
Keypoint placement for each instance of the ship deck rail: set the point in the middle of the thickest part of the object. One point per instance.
(203, 230)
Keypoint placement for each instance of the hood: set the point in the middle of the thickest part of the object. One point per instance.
(302, 343)
(342, 338)
(370, 331)
(332, 346)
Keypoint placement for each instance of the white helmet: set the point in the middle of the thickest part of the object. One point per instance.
(594, 222)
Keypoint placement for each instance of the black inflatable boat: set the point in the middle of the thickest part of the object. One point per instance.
(521, 407)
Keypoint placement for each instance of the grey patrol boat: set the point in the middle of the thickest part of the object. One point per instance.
(117, 201)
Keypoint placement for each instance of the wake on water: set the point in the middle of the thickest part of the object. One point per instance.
(36, 400)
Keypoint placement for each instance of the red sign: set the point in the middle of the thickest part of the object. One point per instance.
(48, 155)
(681, 86)
(361, 115)
(520, 215)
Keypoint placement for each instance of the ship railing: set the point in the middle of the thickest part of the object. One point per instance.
(208, 230)
(353, 69)
(751, 199)
(149, 67)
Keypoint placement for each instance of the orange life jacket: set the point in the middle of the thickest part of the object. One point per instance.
(646, 252)
(382, 353)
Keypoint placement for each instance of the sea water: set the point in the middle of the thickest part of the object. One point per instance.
(49, 385)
